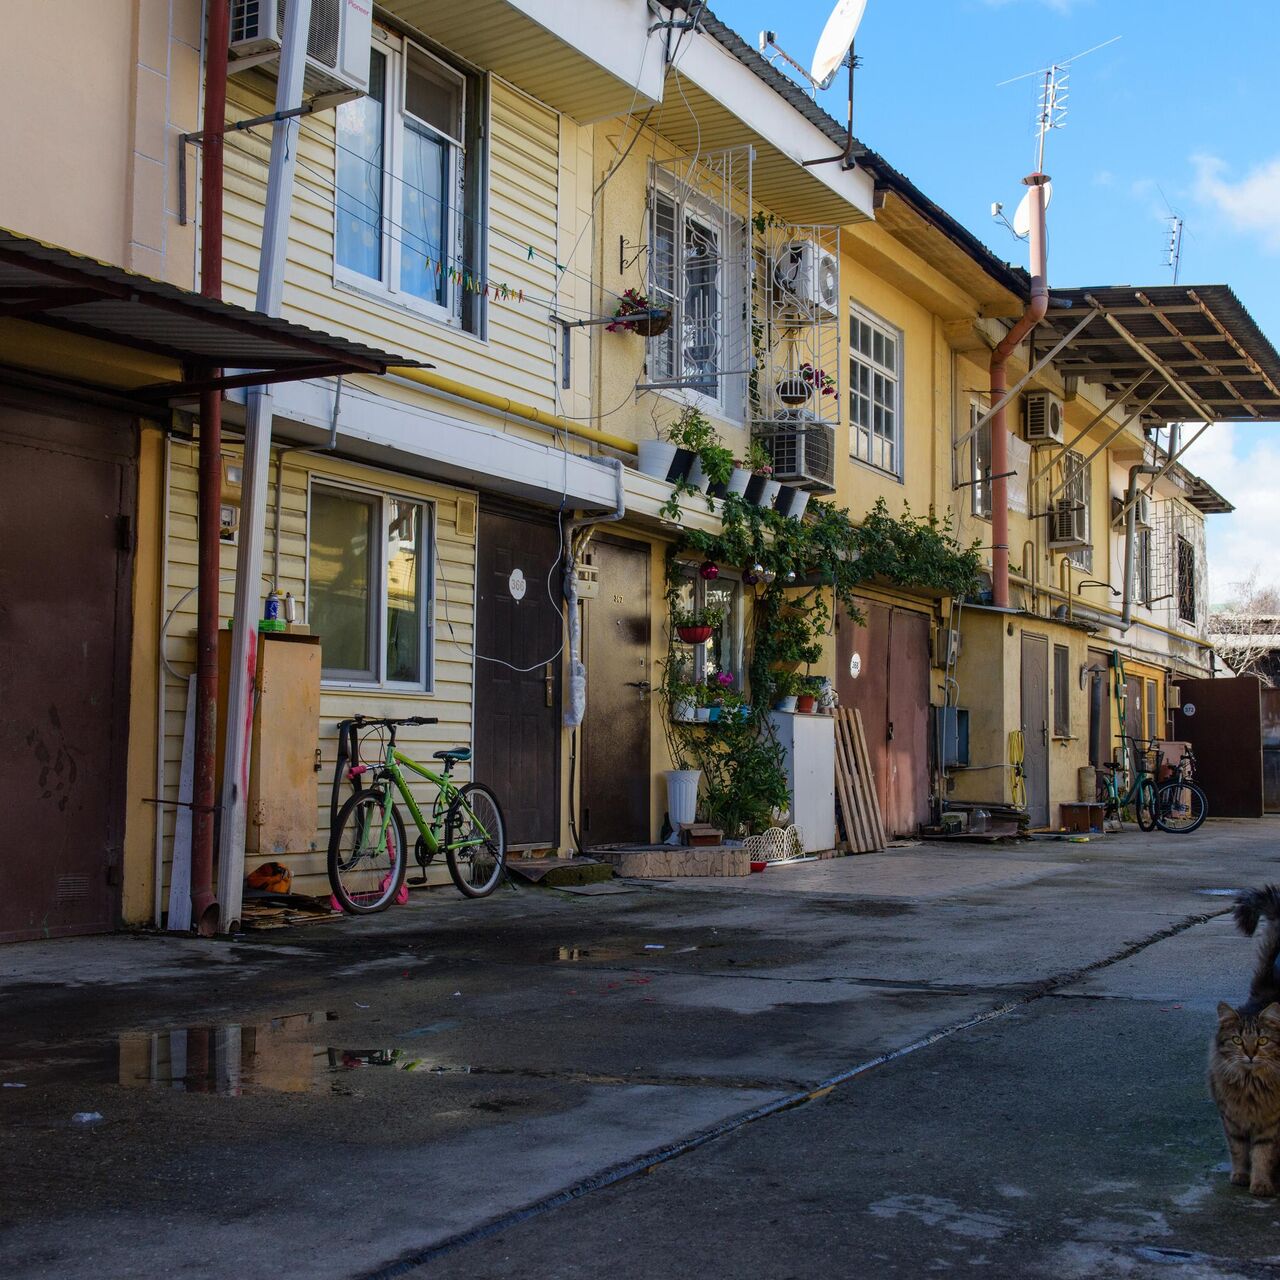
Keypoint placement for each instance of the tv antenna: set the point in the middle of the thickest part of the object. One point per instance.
(834, 50)
(1051, 103)
(1173, 244)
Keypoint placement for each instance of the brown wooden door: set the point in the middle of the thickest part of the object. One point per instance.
(517, 672)
(1225, 730)
(615, 733)
(65, 579)
(1035, 726)
(889, 652)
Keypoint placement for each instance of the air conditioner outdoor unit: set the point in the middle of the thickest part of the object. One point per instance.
(1067, 524)
(802, 449)
(338, 42)
(1141, 512)
(808, 276)
(1043, 423)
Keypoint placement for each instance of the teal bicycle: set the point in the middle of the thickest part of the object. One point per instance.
(368, 848)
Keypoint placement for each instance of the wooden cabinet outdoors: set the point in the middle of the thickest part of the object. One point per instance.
(286, 729)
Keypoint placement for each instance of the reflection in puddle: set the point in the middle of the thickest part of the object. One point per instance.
(226, 1059)
(400, 1059)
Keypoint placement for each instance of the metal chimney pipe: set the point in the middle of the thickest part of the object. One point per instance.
(1036, 308)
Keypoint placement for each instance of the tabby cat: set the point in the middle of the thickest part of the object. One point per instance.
(1244, 1060)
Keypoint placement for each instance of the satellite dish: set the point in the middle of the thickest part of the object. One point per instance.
(836, 39)
(1022, 219)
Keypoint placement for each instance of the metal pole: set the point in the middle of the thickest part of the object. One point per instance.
(204, 907)
(257, 463)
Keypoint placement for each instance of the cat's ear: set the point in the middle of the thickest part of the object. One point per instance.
(1270, 1015)
(1226, 1014)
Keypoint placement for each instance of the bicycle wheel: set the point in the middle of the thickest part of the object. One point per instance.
(475, 840)
(1144, 804)
(1180, 807)
(366, 870)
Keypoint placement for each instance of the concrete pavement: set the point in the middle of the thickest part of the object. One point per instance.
(349, 1098)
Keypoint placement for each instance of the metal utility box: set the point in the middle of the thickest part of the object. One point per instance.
(282, 809)
(951, 730)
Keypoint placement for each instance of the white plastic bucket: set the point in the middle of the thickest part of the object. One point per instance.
(682, 794)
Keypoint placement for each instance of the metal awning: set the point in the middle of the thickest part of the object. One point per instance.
(45, 285)
(1194, 346)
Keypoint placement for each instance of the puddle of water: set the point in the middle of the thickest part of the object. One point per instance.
(1167, 1257)
(228, 1059)
(1220, 893)
(649, 951)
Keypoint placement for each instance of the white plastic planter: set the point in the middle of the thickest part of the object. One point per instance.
(684, 710)
(682, 794)
(661, 459)
(786, 704)
(697, 477)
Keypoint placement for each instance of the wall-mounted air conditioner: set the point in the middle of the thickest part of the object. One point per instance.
(1141, 512)
(338, 42)
(1068, 526)
(1043, 422)
(809, 277)
(802, 449)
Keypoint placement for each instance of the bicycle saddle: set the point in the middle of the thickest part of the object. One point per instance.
(454, 755)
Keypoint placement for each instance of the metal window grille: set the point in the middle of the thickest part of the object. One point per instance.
(1075, 496)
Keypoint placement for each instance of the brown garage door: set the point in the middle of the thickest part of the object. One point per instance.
(68, 496)
(890, 653)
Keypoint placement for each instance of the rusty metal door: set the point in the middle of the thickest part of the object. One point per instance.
(65, 580)
(616, 773)
(1271, 750)
(1222, 719)
(884, 672)
(517, 672)
(1035, 726)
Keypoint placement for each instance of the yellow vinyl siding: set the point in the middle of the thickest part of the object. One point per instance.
(452, 664)
(518, 358)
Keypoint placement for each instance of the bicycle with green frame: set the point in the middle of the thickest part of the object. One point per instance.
(368, 849)
(1141, 795)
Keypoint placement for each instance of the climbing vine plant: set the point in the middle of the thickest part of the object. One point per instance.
(799, 571)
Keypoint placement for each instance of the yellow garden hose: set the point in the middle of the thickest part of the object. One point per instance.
(1017, 771)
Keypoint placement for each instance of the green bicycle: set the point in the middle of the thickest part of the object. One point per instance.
(367, 843)
(1141, 796)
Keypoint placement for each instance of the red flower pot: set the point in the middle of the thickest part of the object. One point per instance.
(694, 635)
(804, 703)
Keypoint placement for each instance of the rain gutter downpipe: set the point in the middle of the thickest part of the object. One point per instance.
(1036, 308)
(204, 906)
(1131, 540)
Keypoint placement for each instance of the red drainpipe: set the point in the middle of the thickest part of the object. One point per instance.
(204, 906)
(1031, 317)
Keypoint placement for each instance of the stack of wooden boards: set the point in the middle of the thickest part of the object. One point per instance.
(858, 804)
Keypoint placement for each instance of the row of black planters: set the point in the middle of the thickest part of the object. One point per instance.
(665, 461)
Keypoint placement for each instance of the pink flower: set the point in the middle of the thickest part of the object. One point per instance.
(724, 679)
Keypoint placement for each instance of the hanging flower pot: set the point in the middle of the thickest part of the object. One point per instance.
(636, 314)
(652, 325)
(694, 635)
(793, 390)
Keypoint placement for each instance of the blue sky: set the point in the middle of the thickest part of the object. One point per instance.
(1178, 114)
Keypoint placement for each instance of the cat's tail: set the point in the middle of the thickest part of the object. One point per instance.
(1253, 906)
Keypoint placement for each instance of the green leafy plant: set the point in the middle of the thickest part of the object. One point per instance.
(758, 460)
(711, 617)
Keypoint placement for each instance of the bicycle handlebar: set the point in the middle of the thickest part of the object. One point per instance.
(362, 721)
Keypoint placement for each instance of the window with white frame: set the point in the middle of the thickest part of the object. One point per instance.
(722, 653)
(695, 251)
(369, 559)
(979, 462)
(875, 392)
(1079, 485)
(408, 181)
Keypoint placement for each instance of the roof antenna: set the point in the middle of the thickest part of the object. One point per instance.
(835, 49)
(1173, 246)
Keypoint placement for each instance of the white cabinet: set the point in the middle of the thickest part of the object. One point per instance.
(809, 743)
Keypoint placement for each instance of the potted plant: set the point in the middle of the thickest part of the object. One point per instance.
(695, 626)
(684, 701)
(807, 695)
(682, 795)
(739, 478)
(712, 463)
(635, 313)
(762, 488)
(818, 380)
(791, 501)
(793, 389)
(786, 686)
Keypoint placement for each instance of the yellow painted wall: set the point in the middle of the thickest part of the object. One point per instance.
(454, 594)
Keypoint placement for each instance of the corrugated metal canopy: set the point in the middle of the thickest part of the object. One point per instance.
(45, 285)
(1214, 361)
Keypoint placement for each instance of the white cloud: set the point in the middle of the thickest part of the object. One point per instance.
(1252, 204)
(1241, 462)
